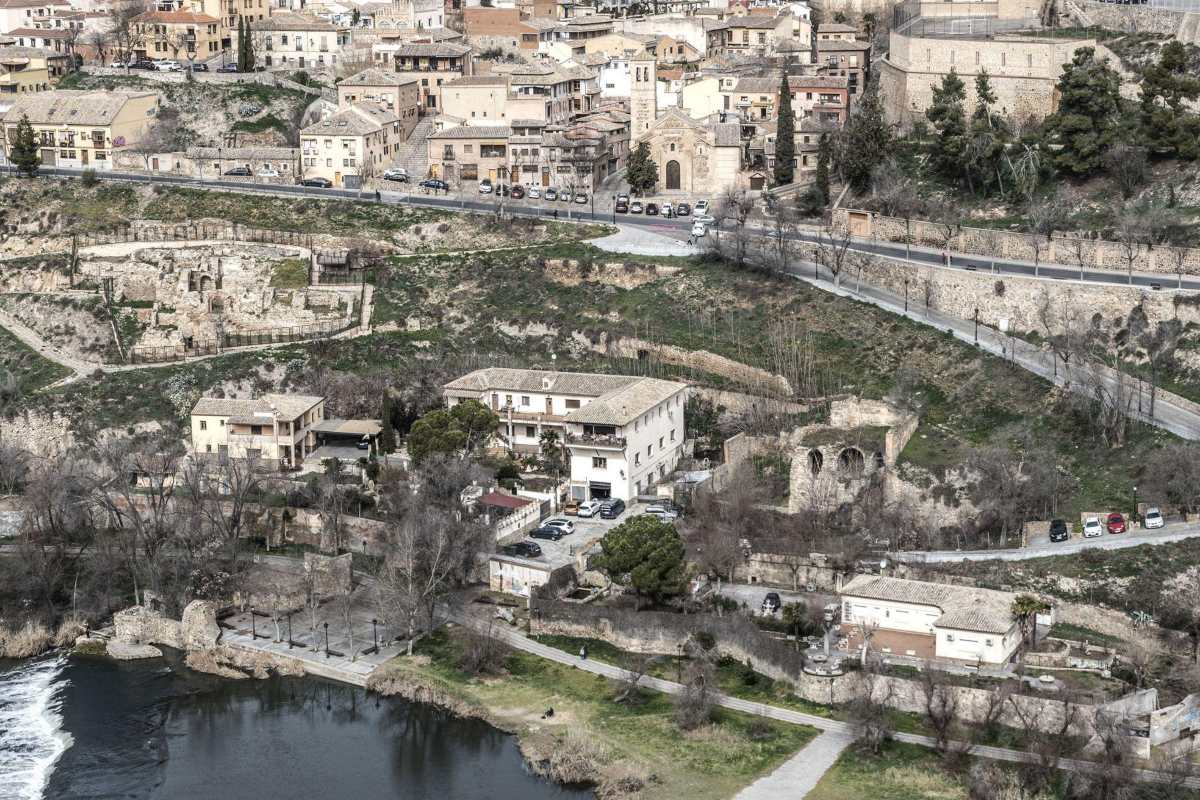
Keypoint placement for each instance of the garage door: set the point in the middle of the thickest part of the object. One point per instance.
(599, 491)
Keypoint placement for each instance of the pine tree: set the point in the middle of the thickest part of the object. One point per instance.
(1089, 114)
(988, 141)
(24, 149)
(785, 136)
(642, 172)
(950, 122)
(387, 435)
(824, 155)
(868, 140)
(1168, 127)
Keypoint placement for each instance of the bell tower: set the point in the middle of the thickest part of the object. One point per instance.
(643, 94)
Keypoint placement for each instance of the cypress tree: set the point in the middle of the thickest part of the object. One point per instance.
(868, 140)
(785, 136)
(249, 49)
(241, 45)
(387, 436)
(642, 172)
(824, 155)
(24, 148)
(950, 121)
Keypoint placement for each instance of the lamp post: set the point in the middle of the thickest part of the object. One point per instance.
(976, 326)
(679, 665)
(254, 633)
(375, 633)
(1135, 505)
(289, 631)
(326, 640)
(906, 295)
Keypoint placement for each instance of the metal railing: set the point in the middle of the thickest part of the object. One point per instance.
(192, 231)
(245, 338)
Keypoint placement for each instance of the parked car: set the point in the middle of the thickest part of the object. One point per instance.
(230, 67)
(699, 229)
(623, 198)
(199, 66)
(1153, 518)
(662, 512)
(701, 207)
(652, 209)
(239, 172)
(635, 207)
(397, 174)
(771, 603)
(318, 183)
(707, 219)
(518, 192)
(683, 209)
(589, 508)
(525, 549)
(571, 508)
(503, 190)
(564, 525)
(168, 65)
(667, 209)
(621, 207)
(1115, 523)
(565, 196)
(612, 508)
(435, 184)
(1092, 527)
(551, 193)
(1059, 531)
(581, 199)
(485, 186)
(143, 63)
(267, 171)
(535, 193)
(547, 532)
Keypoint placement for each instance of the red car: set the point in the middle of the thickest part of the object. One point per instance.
(1115, 523)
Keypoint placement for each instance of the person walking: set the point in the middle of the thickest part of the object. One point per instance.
(583, 653)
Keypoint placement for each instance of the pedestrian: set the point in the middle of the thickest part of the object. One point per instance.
(377, 196)
(583, 653)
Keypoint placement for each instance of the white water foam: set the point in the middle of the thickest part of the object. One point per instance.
(31, 735)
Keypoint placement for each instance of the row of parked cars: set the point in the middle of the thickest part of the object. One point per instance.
(170, 65)
(666, 209)
(1114, 523)
(519, 192)
(556, 528)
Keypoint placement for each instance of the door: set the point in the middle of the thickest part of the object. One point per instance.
(435, 170)
(337, 179)
(545, 178)
(672, 175)
(83, 156)
(154, 164)
(492, 175)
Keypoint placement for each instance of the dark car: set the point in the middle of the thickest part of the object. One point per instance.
(200, 67)
(771, 603)
(1115, 523)
(518, 192)
(434, 183)
(230, 67)
(523, 549)
(550, 194)
(143, 63)
(547, 532)
(1058, 530)
(652, 209)
(683, 210)
(239, 172)
(503, 190)
(622, 207)
(611, 509)
(319, 183)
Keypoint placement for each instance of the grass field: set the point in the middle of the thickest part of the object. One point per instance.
(710, 763)
(900, 772)
(23, 371)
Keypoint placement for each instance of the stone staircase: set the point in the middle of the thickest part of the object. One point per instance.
(413, 155)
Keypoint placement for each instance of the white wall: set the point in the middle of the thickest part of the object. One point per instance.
(990, 648)
(615, 80)
(890, 615)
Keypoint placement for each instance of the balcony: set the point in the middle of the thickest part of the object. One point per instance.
(598, 441)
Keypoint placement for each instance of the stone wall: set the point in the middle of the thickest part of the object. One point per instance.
(760, 379)
(1061, 248)
(40, 433)
(333, 574)
(786, 570)
(141, 625)
(1135, 18)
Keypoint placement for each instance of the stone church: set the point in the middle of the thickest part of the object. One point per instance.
(694, 157)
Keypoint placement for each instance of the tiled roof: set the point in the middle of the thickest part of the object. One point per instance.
(479, 80)
(13, 51)
(289, 406)
(963, 607)
(373, 76)
(71, 107)
(473, 132)
(626, 404)
(179, 17)
(500, 500)
(435, 49)
(755, 23)
(289, 21)
(836, 27)
(39, 33)
(836, 45)
(357, 120)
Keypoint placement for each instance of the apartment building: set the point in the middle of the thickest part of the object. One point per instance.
(623, 433)
(498, 27)
(16, 14)
(355, 144)
(469, 153)
(29, 69)
(431, 64)
(276, 429)
(298, 40)
(82, 128)
(850, 59)
(822, 97)
(177, 34)
(399, 94)
(749, 35)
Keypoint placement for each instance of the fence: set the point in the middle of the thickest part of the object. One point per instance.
(249, 338)
(192, 231)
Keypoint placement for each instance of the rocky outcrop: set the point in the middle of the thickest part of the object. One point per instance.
(199, 629)
(126, 651)
(142, 625)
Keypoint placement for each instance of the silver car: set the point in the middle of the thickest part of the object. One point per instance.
(589, 508)
(1153, 518)
(561, 523)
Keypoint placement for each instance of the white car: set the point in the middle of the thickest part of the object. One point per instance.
(707, 219)
(665, 209)
(1153, 518)
(661, 512)
(167, 65)
(701, 208)
(699, 229)
(398, 174)
(485, 186)
(1092, 528)
(564, 525)
(535, 193)
(589, 508)
(267, 171)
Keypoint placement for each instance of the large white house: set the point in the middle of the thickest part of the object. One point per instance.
(624, 433)
(276, 430)
(932, 620)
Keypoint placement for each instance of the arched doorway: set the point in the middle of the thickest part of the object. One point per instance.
(672, 175)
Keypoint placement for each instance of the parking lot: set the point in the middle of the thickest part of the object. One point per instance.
(588, 532)
(1042, 538)
(600, 202)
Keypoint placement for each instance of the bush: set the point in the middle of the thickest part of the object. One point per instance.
(88, 178)
(482, 653)
(31, 640)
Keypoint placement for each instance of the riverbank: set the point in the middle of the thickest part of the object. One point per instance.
(622, 749)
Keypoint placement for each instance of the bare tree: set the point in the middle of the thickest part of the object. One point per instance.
(100, 40)
(629, 689)
(833, 245)
(14, 468)
(1130, 231)
(124, 32)
(941, 706)
(783, 234)
(694, 702)
(734, 206)
(483, 653)
(868, 711)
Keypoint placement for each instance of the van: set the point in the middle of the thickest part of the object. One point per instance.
(611, 509)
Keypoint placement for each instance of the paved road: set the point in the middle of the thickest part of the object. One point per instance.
(521, 642)
(1173, 533)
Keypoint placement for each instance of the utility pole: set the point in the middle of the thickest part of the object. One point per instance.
(977, 325)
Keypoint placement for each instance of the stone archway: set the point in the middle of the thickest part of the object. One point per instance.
(815, 461)
(672, 176)
(851, 462)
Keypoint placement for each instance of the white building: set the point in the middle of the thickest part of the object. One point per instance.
(297, 40)
(932, 620)
(623, 433)
(276, 429)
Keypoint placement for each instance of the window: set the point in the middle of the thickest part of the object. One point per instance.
(524, 399)
(949, 637)
(530, 432)
(572, 404)
(637, 459)
(508, 399)
(221, 422)
(599, 463)
(203, 425)
(987, 642)
(660, 443)
(256, 430)
(672, 434)
(649, 449)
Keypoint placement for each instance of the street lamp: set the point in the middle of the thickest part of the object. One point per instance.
(254, 633)
(375, 633)
(1135, 505)
(327, 640)
(289, 631)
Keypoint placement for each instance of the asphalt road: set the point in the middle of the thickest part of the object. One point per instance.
(1120, 541)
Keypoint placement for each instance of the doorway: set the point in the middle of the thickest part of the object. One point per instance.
(672, 175)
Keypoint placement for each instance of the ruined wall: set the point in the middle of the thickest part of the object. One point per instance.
(760, 379)
(782, 570)
(41, 433)
(1061, 248)
(1138, 18)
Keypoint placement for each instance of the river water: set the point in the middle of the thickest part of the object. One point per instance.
(81, 728)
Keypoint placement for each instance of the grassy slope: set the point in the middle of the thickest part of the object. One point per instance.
(901, 772)
(712, 763)
(29, 370)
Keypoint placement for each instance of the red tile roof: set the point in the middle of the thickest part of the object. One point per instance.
(504, 500)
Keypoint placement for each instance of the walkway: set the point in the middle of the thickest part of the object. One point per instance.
(800, 774)
(642, 242)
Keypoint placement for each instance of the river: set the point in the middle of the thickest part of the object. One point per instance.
(91, 728)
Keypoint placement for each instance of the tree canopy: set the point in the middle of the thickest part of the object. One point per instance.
(785, 136)
(461, 430)
(24, 149)
(642, 172)
(647, 554)
(1168, 127)
(1087, 122)
(867, 140)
